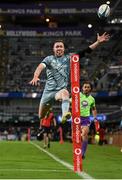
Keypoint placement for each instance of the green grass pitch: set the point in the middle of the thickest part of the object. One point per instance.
(22, 160)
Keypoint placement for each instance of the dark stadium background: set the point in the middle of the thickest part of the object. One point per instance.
(20, 54)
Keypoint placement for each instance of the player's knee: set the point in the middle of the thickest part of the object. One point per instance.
(85, 132)
(65, 95)
(84, 136)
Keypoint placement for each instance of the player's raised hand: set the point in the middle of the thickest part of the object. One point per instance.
(34, 81)
(103, 38)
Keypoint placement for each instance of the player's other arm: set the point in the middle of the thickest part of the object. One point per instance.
(94, 112)
(54, 121)
(100, 39)
(37, 73)
(96, 122)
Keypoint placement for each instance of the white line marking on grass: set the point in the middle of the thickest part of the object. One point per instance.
(69, 166)
(36, 170)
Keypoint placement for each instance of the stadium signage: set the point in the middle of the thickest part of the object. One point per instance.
(48, 9)
(77, 135)
(76, 125)
(66, 11)
(78, 151)
(71, 8)
(76, 89)
(76, 120)
(42, 33)
(7, 9)
(76, 101)
(21, 11)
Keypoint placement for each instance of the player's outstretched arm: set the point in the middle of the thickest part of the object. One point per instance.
(37, 73)
(100, 39)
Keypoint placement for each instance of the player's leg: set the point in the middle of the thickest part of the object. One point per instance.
(84, 136)
(48, 130)
(45, 139)
(45, 104)
(49, 138)
(63, 95)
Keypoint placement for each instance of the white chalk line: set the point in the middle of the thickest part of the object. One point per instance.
(69, 166)
(35, 170)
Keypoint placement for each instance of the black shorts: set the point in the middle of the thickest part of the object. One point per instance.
(46, 129)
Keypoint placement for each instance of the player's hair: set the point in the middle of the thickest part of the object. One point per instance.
(58, 40)
(87, 82)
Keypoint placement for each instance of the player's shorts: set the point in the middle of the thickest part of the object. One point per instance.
(48, 97)
(85, 121)
(46, 129)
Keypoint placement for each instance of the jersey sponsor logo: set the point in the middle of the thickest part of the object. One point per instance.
(84, 103)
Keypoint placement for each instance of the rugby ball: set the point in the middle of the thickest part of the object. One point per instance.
(103, 11)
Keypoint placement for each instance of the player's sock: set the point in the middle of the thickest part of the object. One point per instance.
(45, 146)
(48, 144)
(66, 116)
(84, 147)
(65, 111)
(65, 106)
